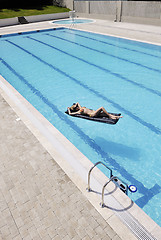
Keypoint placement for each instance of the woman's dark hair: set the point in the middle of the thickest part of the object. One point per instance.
(74, 108)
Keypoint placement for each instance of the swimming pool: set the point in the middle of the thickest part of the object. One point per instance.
(75, 21)
(53, 68)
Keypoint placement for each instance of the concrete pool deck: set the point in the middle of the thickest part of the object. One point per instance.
(42, 197)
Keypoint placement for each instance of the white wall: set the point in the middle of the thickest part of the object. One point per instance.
(147, 12)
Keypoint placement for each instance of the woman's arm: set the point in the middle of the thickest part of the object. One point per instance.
(78, 105)
(73, 113)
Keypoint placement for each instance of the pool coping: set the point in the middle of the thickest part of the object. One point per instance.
(67, 25)
(63, 151)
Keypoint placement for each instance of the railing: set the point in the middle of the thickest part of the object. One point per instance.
(89, 173)
(72, 15)
(118, 182)
(122, 185)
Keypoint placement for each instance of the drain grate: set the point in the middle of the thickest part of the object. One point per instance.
(138, 229)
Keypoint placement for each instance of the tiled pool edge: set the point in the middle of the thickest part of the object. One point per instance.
(107, 214)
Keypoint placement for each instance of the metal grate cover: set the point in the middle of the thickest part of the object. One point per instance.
(139, 230)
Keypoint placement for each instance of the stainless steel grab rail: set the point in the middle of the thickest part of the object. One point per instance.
(103, 190)
(119, 184)
(89, 173)
(117, 181)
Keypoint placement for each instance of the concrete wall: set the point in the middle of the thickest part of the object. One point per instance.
(69, 4)
(146, 12)
(96, 9)
(47, 17)
(64, 3)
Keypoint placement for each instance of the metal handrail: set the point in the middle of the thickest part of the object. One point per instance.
(112, 179)
(117, 181)
(89, 173)
(72, 15)
(103, 190)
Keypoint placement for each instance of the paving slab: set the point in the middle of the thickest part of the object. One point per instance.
(34, 199)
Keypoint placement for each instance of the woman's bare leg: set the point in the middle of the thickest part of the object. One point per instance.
(96, 113)
(102, 109)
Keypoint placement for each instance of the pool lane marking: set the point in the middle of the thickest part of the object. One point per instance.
(141, 188)
(99, 67)
(107, 54)
(111, 44)
(116, 105)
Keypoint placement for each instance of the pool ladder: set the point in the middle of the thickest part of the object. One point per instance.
(131, 222)
(118, 182)
(72, 16)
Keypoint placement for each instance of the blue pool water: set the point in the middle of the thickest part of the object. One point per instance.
(76, 21)
(54, 68)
